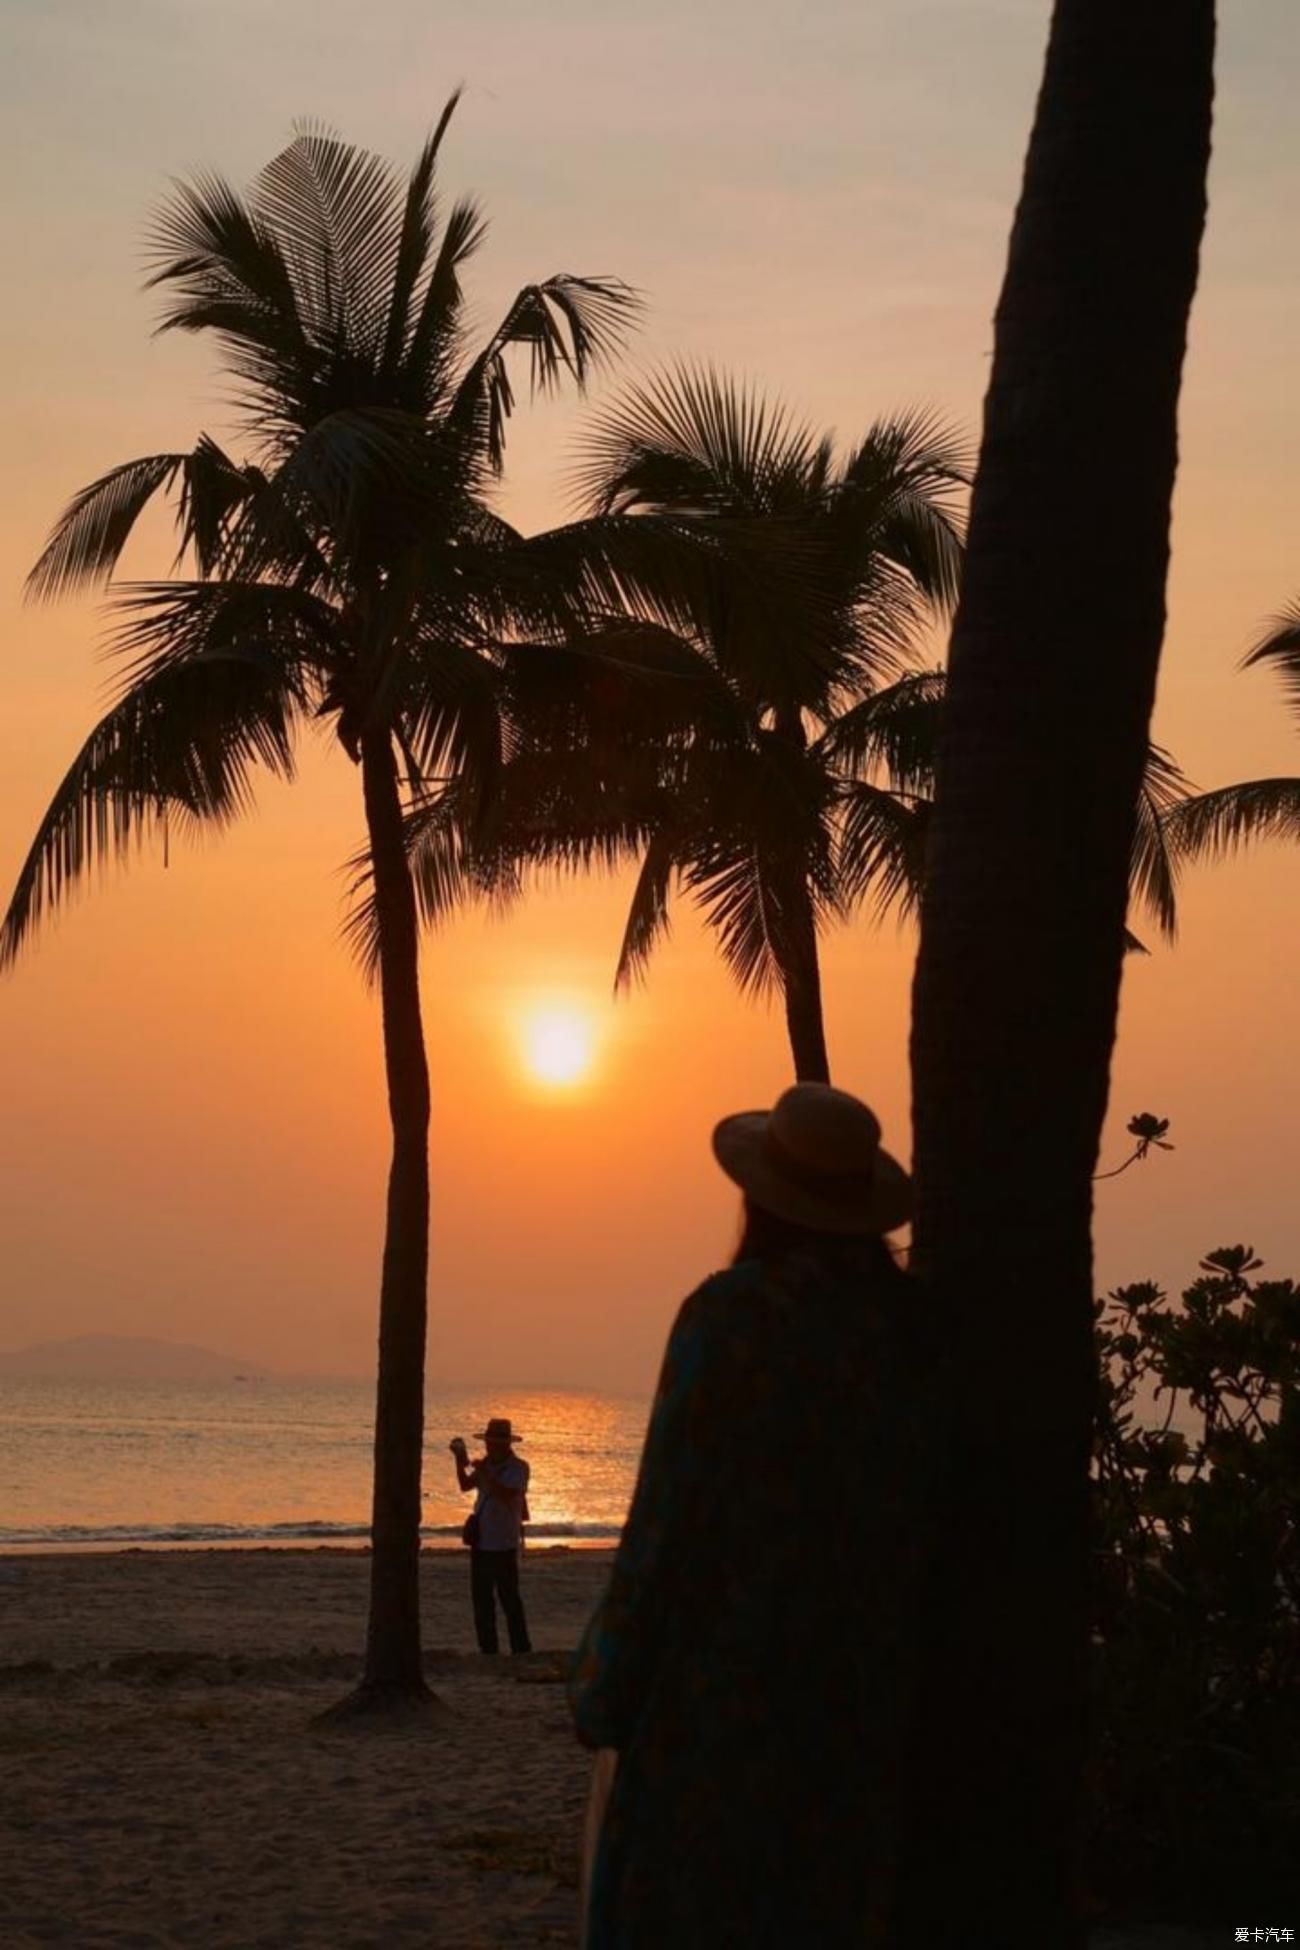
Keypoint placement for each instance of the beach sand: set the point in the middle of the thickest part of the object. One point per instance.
(162, 1781)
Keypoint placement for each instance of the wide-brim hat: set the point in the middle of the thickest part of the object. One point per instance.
(498, 1430)
(815, 1159)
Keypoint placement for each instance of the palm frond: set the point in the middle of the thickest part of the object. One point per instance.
(881, 848)
(288, 633)
(647, 916)
(894, 730)
(540, 825)
(89, 536)
(451, 711)
(568, 580)
(435, 335)
(1280, 646)
(1216, 823)
(214, 488)
(1163, 779)
(575, 823)
(756, 904)
(227, 273)
(570, 325)
(94, 528)
(360, 483)
(616, 689)
(904, 486)
(1151, 867)
(741, 904)
(752, 591)
(758, 856)
(1151, 864)
(558, 758)
(180, 744)
(449, 869)
(415, 241)
(853, 560)
(884, 616)
(692, 440)
(446, 866)
(334, 210)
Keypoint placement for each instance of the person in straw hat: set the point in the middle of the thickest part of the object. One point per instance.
(745, 1660)
(494, 1531)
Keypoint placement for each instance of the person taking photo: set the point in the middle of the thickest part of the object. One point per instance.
(494, 1531)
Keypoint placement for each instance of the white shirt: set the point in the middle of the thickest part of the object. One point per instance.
(500, 1516)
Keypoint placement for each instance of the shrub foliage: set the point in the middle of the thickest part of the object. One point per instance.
(1197, 1632)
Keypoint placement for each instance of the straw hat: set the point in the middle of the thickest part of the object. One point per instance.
(815, 1159)
(498, 1428)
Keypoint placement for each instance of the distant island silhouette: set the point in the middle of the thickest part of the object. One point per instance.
(117, 1357)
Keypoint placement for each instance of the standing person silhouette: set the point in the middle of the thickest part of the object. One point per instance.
(741, 1678)
(494, 1531)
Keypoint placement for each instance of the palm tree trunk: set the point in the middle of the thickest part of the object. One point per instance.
(1052, 676)
(393, 1667)
(801, 975)
(801, 982)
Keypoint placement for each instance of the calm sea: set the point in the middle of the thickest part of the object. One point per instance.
(102, 1464)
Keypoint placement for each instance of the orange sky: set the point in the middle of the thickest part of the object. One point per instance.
(193, 1137)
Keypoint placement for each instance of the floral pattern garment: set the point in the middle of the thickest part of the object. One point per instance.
(747, 1660)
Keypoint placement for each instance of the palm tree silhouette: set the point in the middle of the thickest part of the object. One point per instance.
(761, 834)
(350, 571)
(1211, 824)
(754, 761)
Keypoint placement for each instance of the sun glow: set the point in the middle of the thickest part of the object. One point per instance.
(558, 1044)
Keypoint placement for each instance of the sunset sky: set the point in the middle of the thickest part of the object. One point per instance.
(193, 1136)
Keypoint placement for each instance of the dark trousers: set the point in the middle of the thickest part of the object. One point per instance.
(493, 1575)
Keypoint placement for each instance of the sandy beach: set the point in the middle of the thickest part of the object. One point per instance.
(164, 1783)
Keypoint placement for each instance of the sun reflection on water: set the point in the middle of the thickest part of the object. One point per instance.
(278, 1461)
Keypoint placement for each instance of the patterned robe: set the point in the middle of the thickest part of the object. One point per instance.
(748, 1659)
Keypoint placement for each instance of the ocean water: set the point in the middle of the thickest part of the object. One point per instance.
(97, 1464)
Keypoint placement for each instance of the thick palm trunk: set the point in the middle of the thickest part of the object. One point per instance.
(1052, 676)
(393, 1666)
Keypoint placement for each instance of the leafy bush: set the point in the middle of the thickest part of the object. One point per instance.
(1197, 1614)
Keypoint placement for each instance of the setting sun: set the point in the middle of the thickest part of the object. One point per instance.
(558, 1044)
